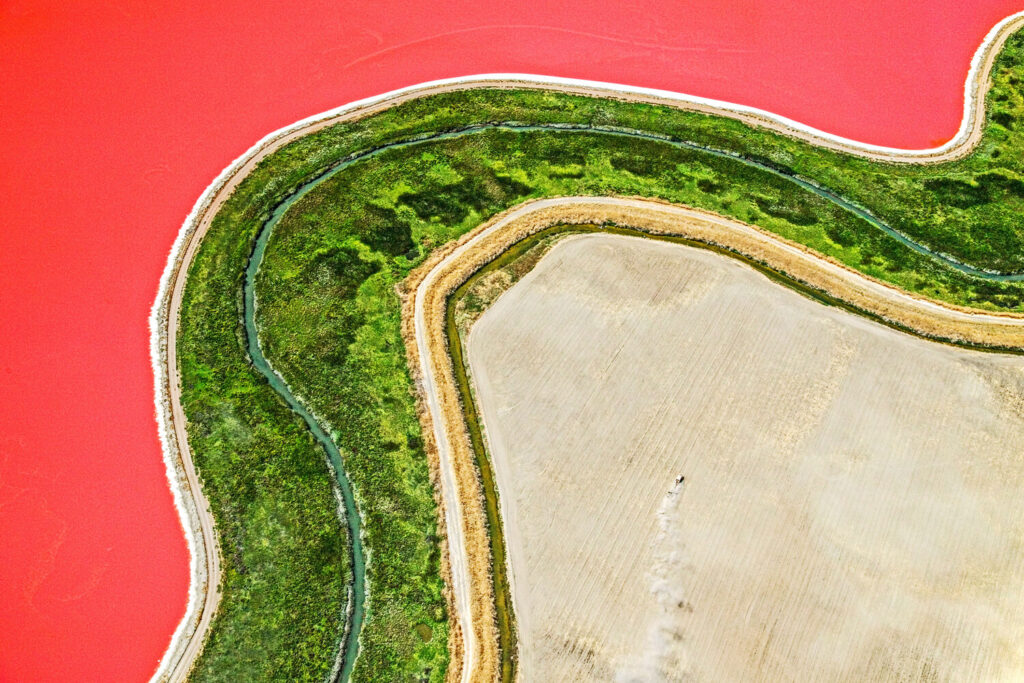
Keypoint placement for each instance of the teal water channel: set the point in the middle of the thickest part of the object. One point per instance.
(350, 643)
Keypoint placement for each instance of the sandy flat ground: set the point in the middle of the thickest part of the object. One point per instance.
(852, 502)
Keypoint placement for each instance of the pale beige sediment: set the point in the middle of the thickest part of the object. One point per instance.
(193, 507)
(850, 505)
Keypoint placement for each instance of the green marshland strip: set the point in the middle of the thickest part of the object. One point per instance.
(329, 322)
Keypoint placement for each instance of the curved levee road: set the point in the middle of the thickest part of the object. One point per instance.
(442, 395)
(193, 507)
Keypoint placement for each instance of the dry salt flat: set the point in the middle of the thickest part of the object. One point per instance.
(852, 506)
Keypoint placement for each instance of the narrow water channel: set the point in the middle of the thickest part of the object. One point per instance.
(350, 644)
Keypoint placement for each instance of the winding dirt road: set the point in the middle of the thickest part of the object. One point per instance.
(477, 654)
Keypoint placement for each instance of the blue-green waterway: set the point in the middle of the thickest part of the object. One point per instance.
(350, 646)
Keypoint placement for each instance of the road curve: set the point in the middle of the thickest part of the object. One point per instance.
(193, 509)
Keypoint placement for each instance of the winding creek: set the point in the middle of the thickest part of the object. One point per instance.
(350, 641)
(357, 599)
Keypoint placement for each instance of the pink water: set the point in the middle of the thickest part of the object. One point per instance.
(114, 117)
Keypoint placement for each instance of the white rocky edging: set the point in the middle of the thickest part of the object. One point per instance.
(183, 495)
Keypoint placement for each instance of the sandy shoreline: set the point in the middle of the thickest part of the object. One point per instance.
(192, 506)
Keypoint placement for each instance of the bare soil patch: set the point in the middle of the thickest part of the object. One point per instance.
(850, 507)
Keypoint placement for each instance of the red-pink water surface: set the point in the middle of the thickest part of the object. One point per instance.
(114, 117)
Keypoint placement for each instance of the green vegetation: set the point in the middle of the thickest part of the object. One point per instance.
(284, 551)
(487, 284)
(329, 322)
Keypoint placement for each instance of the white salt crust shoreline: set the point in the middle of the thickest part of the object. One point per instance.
(203, 598)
